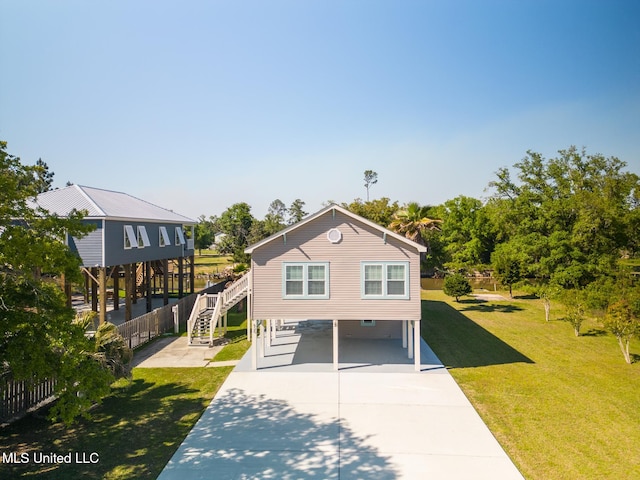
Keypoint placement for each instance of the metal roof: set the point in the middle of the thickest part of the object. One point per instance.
(108, 204)
(328, 208)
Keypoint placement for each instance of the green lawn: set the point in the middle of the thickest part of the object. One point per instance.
(237, 334)
(135, 431)
(210, 262)
(563, 407)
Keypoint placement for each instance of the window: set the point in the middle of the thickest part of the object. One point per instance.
(385, 280)
(164, 237)
(179, 238)
(130, 240)
(305, 280)
(143, 238)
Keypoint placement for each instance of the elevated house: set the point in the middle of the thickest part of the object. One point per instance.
(335, 265)
(133, 240)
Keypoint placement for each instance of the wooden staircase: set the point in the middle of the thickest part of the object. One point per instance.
(209, 309)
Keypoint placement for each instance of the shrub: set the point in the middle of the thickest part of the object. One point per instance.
(456, 285)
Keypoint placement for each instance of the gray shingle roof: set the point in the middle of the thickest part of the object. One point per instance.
(106, 204)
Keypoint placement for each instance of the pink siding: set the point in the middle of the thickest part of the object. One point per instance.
(309, 243)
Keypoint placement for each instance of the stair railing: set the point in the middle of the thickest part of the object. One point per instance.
(240, 286)
(195, 311)
(215, 316)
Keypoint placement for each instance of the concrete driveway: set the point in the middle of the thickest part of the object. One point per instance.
(369, 420)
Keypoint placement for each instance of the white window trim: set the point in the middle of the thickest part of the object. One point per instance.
(179, 236)
(143, 237)
(130, 240)
(305, 281)
(385, 295)
(164, 240)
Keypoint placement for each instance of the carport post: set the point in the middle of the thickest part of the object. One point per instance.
(254, 356)
(416, 339)
(404, 333)
(335, 344)
(409, 340)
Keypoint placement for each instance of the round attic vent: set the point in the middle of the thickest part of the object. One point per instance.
(334, 235)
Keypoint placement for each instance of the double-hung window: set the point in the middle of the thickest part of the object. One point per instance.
(385, 280)
(309, 280)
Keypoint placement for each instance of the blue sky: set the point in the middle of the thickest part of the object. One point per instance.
(196, 105)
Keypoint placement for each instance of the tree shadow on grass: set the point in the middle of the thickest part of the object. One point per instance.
(459, 342)
(491, 307)
(244, 435)
(594, 332)
(134, 432)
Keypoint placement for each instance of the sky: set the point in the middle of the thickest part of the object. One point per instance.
(197, 105)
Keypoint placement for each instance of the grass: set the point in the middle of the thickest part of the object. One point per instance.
(210, 262)
(135, 431)
(237, 333)
(561, 406)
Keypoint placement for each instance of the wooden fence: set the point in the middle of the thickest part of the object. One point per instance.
(19, 397)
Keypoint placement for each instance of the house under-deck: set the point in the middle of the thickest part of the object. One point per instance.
(134, 241)
(335, 265)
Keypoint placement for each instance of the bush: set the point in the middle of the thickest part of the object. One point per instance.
(456, 285)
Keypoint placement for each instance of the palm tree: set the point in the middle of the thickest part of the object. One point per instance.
(412, 222)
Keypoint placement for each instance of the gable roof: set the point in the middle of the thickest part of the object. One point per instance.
(311, 218)
(105, 204)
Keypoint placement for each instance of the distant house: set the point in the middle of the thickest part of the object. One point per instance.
(335, 265)
(132, 238)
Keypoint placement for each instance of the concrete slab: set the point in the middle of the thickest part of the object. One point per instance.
(173, 351)
(369, 420)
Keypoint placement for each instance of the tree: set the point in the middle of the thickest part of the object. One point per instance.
(575, 303)
(275, 219)
(456, 285)
(34, 317)
(467, 233)
(571, 216)
(507, 263)
(370, 179)
(205, 232)
(296, 212)
(623, 321)
(413, 222)
(236, 223)
(44, 178)
(380, 211)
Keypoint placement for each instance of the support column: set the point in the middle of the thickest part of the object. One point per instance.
(128, 291)
(165, 281)
(254, 352)
(404, 333)
(416, 348)
(262, 339)
(180, 277)
(115, 274)
(94, 289)
(87, 285)
(103, 294)
(147, 278)
(410, 339)
(192, 273)
(336, 356)
(249, 306)
(134, 283)
(226, 323)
